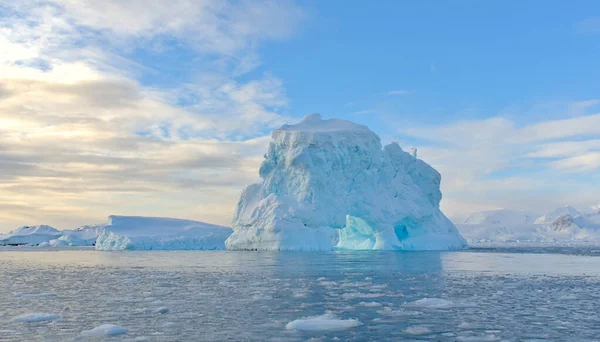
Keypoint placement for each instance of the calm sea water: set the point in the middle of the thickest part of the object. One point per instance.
(494, 294)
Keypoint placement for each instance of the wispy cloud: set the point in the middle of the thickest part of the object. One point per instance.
(397, 92)
(365, 111)
(80, 137)
(495, 163)
(589, 25)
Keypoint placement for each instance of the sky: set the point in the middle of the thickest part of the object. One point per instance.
(164, 108)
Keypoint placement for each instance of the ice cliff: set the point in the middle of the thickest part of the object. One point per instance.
(328, 184)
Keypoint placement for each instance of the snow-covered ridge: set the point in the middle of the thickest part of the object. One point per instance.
(329, 183)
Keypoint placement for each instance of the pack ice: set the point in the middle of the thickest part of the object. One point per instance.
(157, 233)
(328, 184)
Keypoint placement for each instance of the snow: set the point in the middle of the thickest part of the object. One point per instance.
(155, 233)
(558, 225)
(104, 330)
(36, 317)
(29, 235)
(554, 214)
(327, 322)
(328, 184)
(83, 236)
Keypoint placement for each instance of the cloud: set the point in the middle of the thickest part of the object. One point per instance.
(81, 137)
(494, 163)
(579, 108)
(364, 111)
(397, 92)
(589, 25)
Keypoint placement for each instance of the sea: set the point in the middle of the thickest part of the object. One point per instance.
(501, 293)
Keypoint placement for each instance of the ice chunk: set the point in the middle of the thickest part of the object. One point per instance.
(29, 235)
(329, 183)
(104, 330)
(153, 233)
(41, 294)
(433, 303)
(36, 317)
(369, 304)
(417, 330)
(325, 322)
(162, 310)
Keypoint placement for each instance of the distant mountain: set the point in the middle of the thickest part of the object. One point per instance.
(502, 217)
(556, 213)
(561, 224)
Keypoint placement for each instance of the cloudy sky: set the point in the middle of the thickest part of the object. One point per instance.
(163, 108)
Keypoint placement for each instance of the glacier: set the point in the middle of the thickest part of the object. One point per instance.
(329, 184)
(159, 233)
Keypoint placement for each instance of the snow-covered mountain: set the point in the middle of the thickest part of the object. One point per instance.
(29, 235)
(329, 180)
(556, 213)
(158, 233)
(502, 216)
(561, 224)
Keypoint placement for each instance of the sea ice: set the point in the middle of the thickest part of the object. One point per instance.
(325, 322)
(36, 317)
(433, 303)
(41, 294)
(104, 330)
(417, 330)
(329, 183)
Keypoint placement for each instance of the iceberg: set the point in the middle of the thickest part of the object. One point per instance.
(157, 233)
(84, 235)
(328, 184)
(29, 235)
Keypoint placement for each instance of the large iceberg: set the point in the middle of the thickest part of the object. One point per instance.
(328, 184)
(157, 233)
(29, 235)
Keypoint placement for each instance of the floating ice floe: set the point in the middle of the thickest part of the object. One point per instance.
(36, 317)
(325, 322)
(104, 330)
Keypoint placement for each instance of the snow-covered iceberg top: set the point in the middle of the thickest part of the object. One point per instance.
(157, 233)
(29, 235)
(329, 183)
